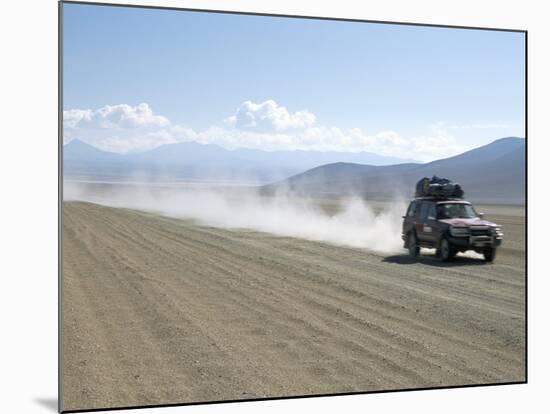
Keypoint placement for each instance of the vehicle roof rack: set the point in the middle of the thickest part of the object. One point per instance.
(434, 198)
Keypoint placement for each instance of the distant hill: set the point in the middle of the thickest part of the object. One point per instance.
(80, 158)
(191, 160)
(491, 173)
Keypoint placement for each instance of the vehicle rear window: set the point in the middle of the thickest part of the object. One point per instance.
(432, 211)
(411, 212)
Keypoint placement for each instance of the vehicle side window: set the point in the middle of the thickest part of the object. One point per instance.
(411, 212)
(424, 207)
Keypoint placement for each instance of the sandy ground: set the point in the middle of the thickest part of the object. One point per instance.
(159, 310)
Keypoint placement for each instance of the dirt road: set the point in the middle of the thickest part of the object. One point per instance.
(159, 310)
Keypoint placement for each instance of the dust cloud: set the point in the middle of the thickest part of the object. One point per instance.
(351, 222)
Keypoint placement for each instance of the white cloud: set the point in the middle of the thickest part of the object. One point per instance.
(267, 126)
(122, 128)
(115, 116)
(268, 116)
(438, 143)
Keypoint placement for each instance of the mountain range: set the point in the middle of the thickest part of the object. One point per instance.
(191, 160)
(493, 173)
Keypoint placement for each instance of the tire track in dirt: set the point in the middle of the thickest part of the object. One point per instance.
(350, 291)
(201, 313)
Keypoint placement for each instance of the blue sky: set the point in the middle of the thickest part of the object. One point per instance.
(279, 83)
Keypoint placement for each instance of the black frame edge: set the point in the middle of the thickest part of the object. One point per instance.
(294, 16)
(295, 397)
(60, 207)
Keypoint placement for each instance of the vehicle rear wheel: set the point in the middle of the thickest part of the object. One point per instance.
(446, 252)
(489, 254)
(414, 249)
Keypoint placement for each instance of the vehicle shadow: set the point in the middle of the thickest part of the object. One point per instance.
(433, 260)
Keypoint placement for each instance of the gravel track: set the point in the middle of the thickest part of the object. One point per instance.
(159, 310)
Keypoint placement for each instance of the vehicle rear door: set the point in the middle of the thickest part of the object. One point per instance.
(426, 226)
(409, 220)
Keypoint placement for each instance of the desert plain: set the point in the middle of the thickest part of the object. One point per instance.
(164, 310)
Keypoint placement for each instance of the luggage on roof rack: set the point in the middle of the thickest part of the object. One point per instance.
(438, 187)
